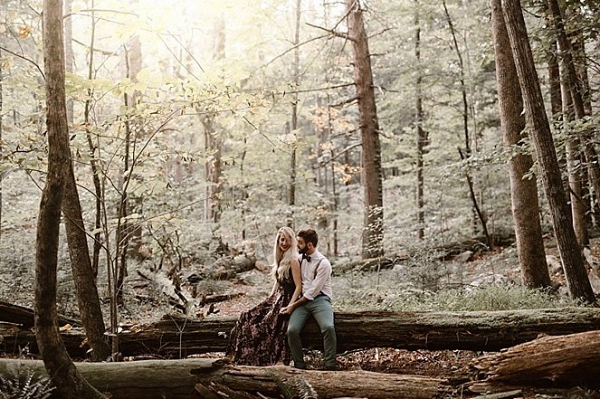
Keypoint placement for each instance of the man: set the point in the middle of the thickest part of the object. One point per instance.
(315, 301)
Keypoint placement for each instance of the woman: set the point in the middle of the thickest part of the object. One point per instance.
(258, 338)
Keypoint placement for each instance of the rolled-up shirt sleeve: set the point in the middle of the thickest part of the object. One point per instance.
(323, 273)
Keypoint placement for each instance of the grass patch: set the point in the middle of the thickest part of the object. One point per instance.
(385, 291)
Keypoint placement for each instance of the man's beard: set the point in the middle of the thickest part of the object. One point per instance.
(302, 251)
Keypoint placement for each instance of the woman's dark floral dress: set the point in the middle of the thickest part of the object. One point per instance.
(259, 336)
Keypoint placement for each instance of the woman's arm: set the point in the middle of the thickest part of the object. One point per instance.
(297, 276)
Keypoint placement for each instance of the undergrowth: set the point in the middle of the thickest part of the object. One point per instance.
(371, 292)
(26, 385)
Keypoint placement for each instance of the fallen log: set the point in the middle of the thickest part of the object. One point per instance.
(178, 337)
(193, 378)
(24, 316)
(556, 362)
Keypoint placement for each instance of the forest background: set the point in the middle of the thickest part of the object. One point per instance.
(203, 125)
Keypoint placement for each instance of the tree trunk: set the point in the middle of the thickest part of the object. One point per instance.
(570, 360)
(63, 373)
(177, 336)
(465, 114)
(572, 259)
(83, 275)
(194, 378)
(575, 170)
(524, 195)
(98, 193)
(69, 58)
(372, 180)
(213, 145)
(569, 77)
(422, 139)
(1, 131)
(296, 77)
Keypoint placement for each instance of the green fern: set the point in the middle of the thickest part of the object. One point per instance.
(29, 387)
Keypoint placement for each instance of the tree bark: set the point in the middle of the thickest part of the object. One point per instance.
(194, 378)
(176, 336)
(575, 170)
(570, 360)
(63, 373)
(422, 139)
(537, 120)
(83, 274)
(296, 77)
(1, 131)
(523, 190)
(372, 180)
(570, 79)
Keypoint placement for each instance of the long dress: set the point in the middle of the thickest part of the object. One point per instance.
(259, 336)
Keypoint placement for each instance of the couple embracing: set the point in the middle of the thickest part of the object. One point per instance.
(270, 332)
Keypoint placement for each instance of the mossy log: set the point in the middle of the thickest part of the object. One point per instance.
(200, 378)
(547, 362)
(177, 337)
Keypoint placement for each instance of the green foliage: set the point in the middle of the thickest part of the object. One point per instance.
(24, 385)
(391, 291)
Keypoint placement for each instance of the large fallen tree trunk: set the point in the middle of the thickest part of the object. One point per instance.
(24, 316)
(482, 331)
(199, 378)
(561, 361)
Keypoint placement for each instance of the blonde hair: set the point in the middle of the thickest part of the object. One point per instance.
(283, 260)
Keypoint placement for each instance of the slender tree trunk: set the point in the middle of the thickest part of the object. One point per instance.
(1, 131)
(524, 195)
(569, 76)
(372, 178)
(293, 161)
(63, 373)
(69, 59)
(93, 156)
(83, 274)
(213, 144)
(422, 139)
(334, 191)
(575, 171)
(478, 212)
(573, 262)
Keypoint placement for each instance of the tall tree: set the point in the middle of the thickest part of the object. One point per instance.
(422, 139)
(83, 273)
(569, 76)
(213, 143)
(574, 169)
(296, 72)
(63, 373)
(537, 121)
(523, 190)
(465, 115)
(93, 148)
(372, 178)
(1, 128)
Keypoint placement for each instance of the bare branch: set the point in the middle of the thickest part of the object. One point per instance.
(333, 32)
(26, 59)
